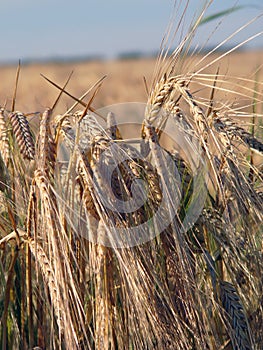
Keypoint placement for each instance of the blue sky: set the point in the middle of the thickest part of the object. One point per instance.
(56, 28)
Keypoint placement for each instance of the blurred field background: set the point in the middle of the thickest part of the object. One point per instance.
(124, 81)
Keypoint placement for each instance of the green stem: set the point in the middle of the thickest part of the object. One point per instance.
(7, 296)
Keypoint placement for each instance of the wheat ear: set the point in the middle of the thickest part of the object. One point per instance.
(4, 141)
(240, 332)
(49, 276)
(23, 134)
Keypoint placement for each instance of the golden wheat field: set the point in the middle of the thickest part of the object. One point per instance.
(124, 81)
(115, 242)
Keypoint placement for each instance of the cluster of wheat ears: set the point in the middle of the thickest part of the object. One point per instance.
(66, 283)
